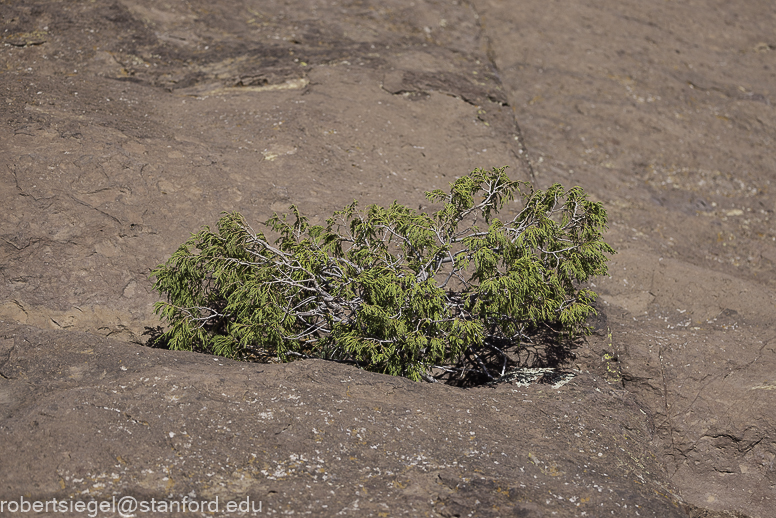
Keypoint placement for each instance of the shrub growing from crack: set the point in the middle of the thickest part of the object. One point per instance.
(388, 288)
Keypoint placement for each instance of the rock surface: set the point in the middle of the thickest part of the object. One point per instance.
(315, 437)
(666, 112)
(130, 124)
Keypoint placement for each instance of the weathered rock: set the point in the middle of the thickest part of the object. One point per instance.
(150, 122)
(130, 124)
(665, 111)
(89, 417)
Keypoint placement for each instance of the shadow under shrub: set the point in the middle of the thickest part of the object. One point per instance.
(391, 289)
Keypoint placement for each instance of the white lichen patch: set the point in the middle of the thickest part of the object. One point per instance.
(524, 377)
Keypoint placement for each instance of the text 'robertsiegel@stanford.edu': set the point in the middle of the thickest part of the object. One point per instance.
(128, 506)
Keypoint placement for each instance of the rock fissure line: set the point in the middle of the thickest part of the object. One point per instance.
(666, 406)
(522, 155)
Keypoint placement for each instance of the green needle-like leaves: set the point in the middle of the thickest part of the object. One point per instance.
(391, 289)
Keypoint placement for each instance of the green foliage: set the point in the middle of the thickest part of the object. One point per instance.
(394, 290)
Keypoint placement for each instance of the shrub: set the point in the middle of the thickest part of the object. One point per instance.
(391, 289)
